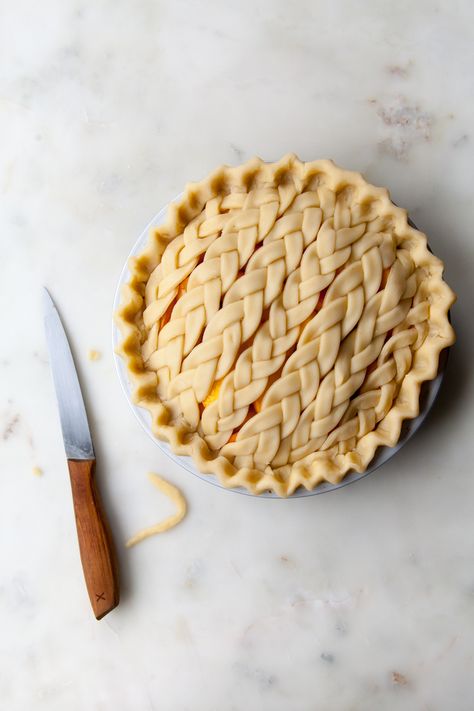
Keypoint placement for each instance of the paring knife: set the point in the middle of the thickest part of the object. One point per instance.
(95, 543)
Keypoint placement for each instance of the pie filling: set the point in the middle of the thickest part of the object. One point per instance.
(285, 317)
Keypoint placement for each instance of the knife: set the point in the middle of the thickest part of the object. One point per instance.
(95, 542)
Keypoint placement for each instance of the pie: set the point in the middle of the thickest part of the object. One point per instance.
(279, 326)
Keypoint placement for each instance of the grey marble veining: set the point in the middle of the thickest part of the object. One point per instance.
(357, 600)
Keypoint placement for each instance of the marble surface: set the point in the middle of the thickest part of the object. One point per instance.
(356, 600)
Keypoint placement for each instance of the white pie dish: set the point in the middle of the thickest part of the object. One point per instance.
(428, 396)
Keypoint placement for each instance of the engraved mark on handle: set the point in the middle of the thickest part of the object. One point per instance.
(100, 596)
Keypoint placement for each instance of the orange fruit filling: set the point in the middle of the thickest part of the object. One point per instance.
(385, 274)
(167, 315)
(213, 394)
(248, 417)
(212, 397)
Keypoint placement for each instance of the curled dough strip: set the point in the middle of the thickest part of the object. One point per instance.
(176, 497)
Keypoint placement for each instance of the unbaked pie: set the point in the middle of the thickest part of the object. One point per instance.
(278, 327)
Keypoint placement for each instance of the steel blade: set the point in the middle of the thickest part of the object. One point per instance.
(72, 412)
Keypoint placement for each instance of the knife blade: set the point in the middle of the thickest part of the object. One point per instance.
(72, 412)
(95, 542)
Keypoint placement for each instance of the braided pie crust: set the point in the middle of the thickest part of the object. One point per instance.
(278, 327)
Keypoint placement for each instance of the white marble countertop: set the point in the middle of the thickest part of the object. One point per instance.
(356, 600)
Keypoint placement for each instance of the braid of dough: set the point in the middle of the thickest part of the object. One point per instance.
(317, 347)
(274, 339)
(377, 394)
(288, 426)
(187, 377)
(226, 240)
(319, 264)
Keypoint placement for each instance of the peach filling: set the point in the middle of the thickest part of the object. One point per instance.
(167, 315)
(385, 274)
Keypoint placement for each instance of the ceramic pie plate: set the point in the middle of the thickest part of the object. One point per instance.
(428, 394)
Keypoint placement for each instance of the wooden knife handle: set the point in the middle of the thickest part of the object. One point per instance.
(95, 542)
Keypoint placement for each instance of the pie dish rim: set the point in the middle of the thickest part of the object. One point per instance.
(345, 478)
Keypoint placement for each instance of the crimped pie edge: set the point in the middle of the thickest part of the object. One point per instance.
(406, 405)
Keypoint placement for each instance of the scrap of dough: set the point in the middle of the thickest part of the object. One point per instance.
(176, 496)
(37, 471)
(93, 354)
